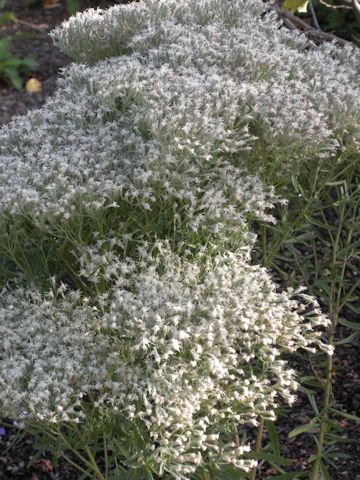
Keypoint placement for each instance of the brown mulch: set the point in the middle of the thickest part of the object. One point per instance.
(346, 397)
(31, 39)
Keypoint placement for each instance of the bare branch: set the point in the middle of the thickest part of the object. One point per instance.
(310, 32)
(356, 7)
(346, 4)
(313, 15)
(42, 28)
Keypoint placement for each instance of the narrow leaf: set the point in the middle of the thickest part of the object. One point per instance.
(346, 323)
(289, 476)
(347, 415)
(269, 457)
(324, 472)
(348, 339)
(274, 439)
(307, 427)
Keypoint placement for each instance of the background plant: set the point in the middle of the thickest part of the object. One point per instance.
(340, 17)
(11, 66)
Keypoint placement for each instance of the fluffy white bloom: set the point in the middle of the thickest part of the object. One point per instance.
(181, 97)
(185, 348)
(135, 186)
(307, 97)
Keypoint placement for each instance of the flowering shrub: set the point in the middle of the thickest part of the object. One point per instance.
(126, 210)
(186, 349)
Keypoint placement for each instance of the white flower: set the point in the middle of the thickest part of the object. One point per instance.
(135, 349)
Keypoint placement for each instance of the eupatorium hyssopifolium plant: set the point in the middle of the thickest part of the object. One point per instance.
(126, 213)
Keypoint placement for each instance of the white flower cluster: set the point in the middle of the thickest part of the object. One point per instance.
(148, 137)
(186, 348)
(301, 99)
(193, 90)
(136, 185)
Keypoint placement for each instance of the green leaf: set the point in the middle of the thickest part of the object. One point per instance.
(346, 323)
(352, 308)
(5, 52)
(228, 472)
(7, 17)
(324, 472)
(346, 415)
(289, 476)
(348, 339)
(307, 427)
(339, 439)
(274, 439)
(311, 396)
(131, 474)
(72, 6)
(295, 5)
(11, 62)
(312, 381)
(269, 457)
(30, 63)
(342, 253)
(13, 75)
(300, 238)
(120, 476)
(336, 455)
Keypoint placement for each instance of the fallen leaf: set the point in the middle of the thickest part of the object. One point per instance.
(33, 86)
(51, 3)
(43, 465)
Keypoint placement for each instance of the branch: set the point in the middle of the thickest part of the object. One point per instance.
(356, 7)
(309, 31)
(43, 28)
(313, 16)
(346, 4)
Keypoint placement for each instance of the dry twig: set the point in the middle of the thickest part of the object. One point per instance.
(43, 28)
(292, 21)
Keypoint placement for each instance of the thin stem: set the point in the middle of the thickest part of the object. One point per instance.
(340, 303)
(333, 314)
(99, 475)
(276, 467)
(70, 448)
(313, 15)
(323, 422)
(236, 439)
(74, 464)
(257, 445)
(335, 7)
(106, 458)
(349, 293)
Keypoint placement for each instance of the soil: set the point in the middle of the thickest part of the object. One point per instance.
(30, 38)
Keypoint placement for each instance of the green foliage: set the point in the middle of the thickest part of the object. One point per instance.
(334, 16)
(295, 5)
(341, 20)
(316, 243)
(11, 66)
(72, 6)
